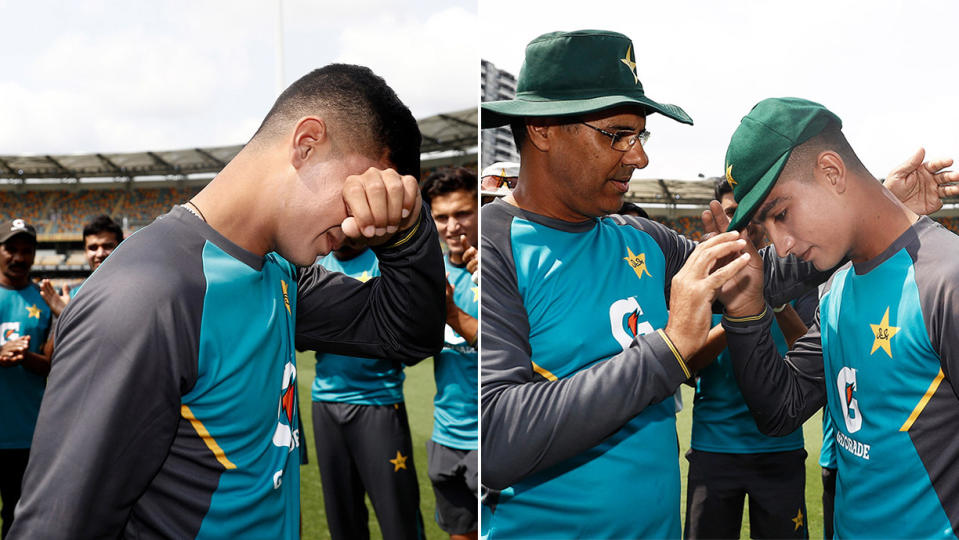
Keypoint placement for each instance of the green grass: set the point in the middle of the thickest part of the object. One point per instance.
(419, 389)
(812, 431)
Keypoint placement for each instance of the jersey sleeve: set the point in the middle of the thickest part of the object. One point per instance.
(126, 351)
(781, 393)
(399, 315)
(531, 422)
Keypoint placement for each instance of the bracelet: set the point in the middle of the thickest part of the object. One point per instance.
(780, 308)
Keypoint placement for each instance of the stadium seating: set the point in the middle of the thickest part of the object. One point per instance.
(67, 211)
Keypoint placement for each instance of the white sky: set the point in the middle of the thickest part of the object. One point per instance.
(889, 69)
(118, 76)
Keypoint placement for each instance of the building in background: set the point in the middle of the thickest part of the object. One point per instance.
(497, 144)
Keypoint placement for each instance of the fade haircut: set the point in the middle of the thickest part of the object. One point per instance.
(831, 139)
(363, 114)
(103, 224)
(721, 188)
(447, 181)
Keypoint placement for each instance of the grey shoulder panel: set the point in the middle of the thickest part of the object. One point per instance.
(126, 351)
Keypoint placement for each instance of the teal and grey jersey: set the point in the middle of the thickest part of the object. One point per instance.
(353, 379)
(577, 378)
(456, 407)
(722, 421)
(884, 359)
(170, 410)
(23, 312)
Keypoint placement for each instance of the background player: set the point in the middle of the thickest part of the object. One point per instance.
(100, 237)
(361, 430)
(24, 358)
(452, 450)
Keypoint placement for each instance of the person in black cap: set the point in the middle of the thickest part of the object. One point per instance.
(24, 357)
(578, 439)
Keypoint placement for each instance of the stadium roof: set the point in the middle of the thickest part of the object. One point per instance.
(661, 191)
(455, 131)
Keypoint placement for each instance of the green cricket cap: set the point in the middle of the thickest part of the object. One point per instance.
(573, 73)
(762, 144)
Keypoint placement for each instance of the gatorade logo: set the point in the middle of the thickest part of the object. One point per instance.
(286, 434)
(624, 321)
(9, 331)
(846, 384)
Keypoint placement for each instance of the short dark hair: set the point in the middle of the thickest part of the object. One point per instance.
(830, 139)
(363, 107)
(447, 181)
(721, 188)
(101, 224)
(518, 127)
(631, 208)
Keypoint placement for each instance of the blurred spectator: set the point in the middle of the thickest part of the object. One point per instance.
(24, 358)
(498, 180)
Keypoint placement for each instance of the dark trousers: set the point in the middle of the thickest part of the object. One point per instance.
(718, 484)
(828, 500)
(364, 449)
(13, 461)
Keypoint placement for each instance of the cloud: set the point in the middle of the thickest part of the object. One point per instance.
(432, 63)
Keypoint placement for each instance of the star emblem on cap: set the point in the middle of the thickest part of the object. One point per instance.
(729, 176)
(631, 64)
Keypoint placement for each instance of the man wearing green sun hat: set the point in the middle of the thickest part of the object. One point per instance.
(580, 352)
(883, 355)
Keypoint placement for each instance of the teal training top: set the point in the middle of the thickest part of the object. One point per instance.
(353, 379)
(577, 379)
(456, 407)
(23, 312)
(722, 421)
(884, 358)
(171, 407)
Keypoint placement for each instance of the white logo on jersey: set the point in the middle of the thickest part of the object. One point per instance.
(624, 315)
(452, 338)
(9, 331)
(286, 434)
(846, 383)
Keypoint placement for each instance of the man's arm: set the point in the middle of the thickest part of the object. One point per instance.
(111, 406)
(459, 320)
(781, 393)
(533, 420)
(399, 315)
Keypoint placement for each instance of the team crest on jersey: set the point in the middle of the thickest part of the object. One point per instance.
(846, 384)
(287, 434)
(9, 331)
(625, 321)
(637, 263)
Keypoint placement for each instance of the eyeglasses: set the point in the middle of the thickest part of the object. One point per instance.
(622, 141)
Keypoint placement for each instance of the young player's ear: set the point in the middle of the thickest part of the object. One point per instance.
(831, 168)
(308, 135)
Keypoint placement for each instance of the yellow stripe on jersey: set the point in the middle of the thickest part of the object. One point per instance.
(923, 402)
(207, 438)
(549, 376)
(679, 357)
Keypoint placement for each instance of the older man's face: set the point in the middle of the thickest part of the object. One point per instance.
(590, 177)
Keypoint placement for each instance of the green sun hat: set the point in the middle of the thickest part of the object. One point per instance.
(762, 144)
(573, 73)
